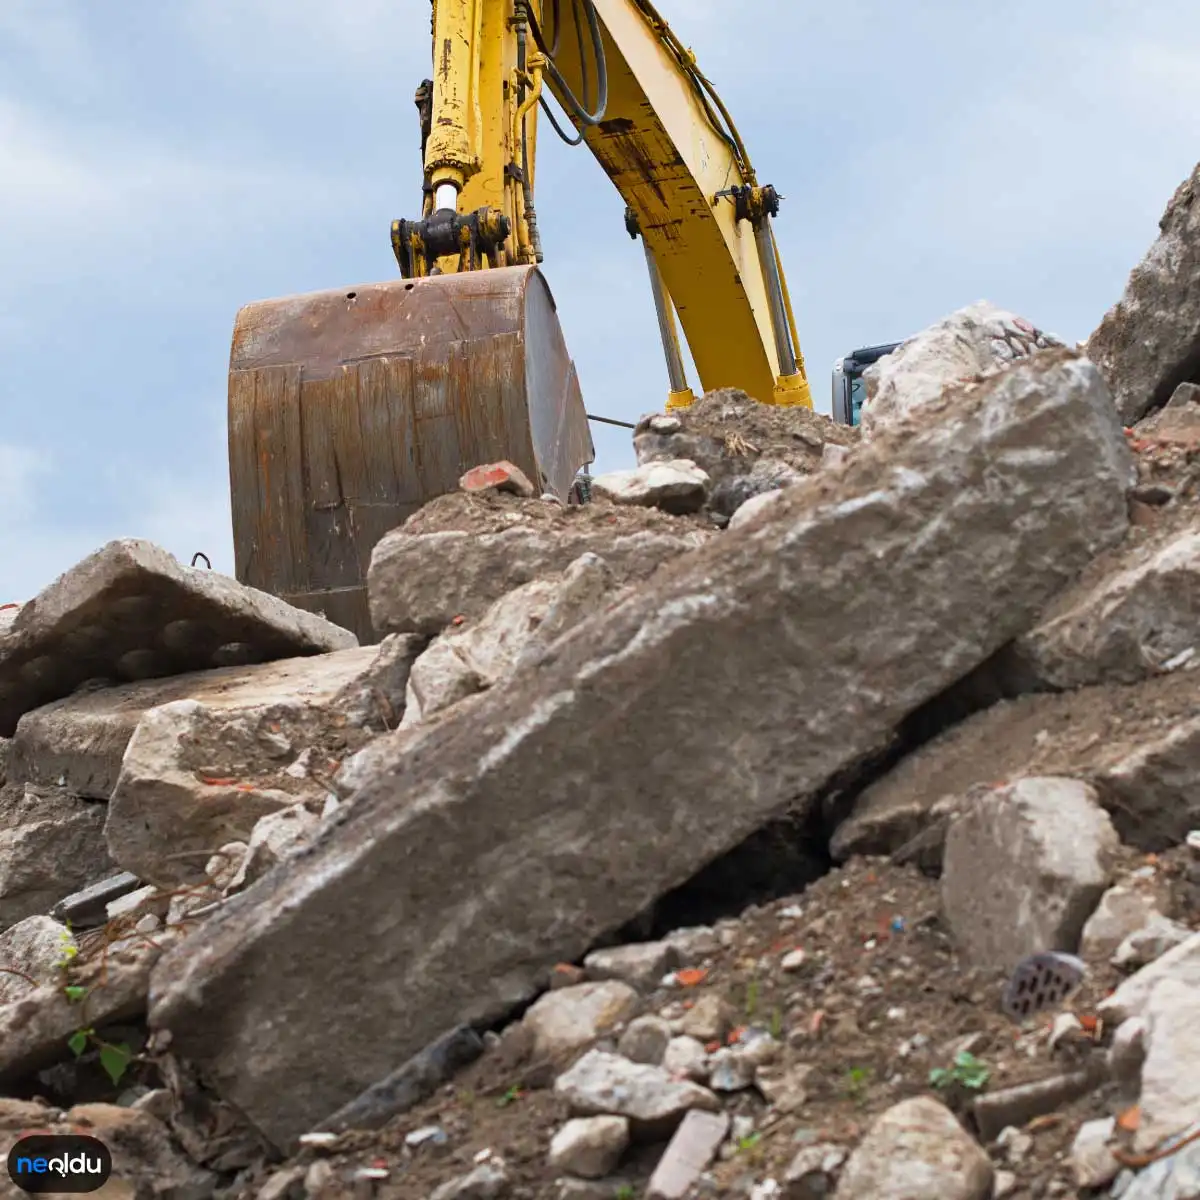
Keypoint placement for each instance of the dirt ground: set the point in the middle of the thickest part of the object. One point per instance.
(882, 998)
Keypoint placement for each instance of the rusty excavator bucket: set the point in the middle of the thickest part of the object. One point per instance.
(350, 409)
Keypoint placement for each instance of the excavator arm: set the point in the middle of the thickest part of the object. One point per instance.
(636, 98)
(351, 408)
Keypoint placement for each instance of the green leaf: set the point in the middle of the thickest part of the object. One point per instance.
(74, 992)
(115, 1060)
(78, 1042)
(938, 1076)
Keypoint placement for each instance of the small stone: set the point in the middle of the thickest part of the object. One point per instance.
(640, 965)
(917, 1148)
(1016, 1144)
(709, 1019)
(812, 1173)
(646, 1040)
(1005, 1185)
(602, 1083)
(569, 1019)
(589, 1146)
(1091, 1160)
(488, 1181)
(730, 1071)
(1122, 910)
(678, 486)
(665, 425)
(686, 1058)
(283, 1185)
(317, 1177)
(35, 946)
(1127, 1053)
(566, 975)
(497, 477)
(695, 943)
(793, 960)
(785, 1089)
(427, 1135)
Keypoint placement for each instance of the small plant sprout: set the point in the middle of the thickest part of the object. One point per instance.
(967, 1072)
(857, 1079)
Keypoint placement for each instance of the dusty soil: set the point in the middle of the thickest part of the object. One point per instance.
(880, 1000)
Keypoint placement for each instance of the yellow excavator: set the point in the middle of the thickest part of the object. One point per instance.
(351, 408)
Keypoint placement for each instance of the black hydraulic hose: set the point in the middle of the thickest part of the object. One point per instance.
(559, 86)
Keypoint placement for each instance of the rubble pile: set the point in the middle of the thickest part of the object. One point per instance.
(664, 846)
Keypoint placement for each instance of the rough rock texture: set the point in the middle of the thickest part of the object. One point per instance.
(654, 1102)
(746, 448)
(917, 1150)
(51, 844)
(521, 625)
(567, 1020)
(693, 1147)
(590, 1147)
(1170, 1093)
(676, 486)
(200, 772)
(1133, 997)
(1124, 626)
(146, 1162)
(78, 743)
(34, 1029)
(1149, 342)
(1138, 746)
(1122, 910)
(1025, 866)
(539, 833)
(500, 476)
(131, 612)
(34, 947)
(462, 552)
(968, 345)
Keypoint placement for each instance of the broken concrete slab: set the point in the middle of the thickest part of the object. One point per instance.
(132, 612)
(1169, 1101)
(78, 743)
(1149, 341)
(460, 553)
(1122, 626)
(749, 636)
(1025, 866)
(1139, 746)
(200, 772)
(676, 486)
(51, 844)
(963, 348)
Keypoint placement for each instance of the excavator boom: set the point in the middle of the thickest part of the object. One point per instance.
(352, 407)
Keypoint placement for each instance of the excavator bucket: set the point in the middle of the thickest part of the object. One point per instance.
(350, 409)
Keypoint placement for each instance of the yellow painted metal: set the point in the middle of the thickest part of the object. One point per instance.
(663, 155)
(683, 399)
(453, 151)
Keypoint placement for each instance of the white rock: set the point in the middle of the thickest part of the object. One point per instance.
(1024, 867)
(1170, 1096)
(606, 1083)
(1091, 1159)
(35, 946)
(686, 1058)
(1132, 997)
(571, 1018)
(917, 1149)
(961, 347)
(1152, 941)
(1122, 910)
(756, 504)
(590, 1147)
(640, 964)
(676, 486)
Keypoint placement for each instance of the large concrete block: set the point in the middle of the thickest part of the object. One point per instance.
(657, 736)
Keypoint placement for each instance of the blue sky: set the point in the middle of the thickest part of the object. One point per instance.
(163, 163)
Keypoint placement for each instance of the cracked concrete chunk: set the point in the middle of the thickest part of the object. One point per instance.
(961, 349)
(51, 844)
(466, 867)
(568, 1019)
(1025, 866)
(677, 486)
(201, 772)
(131, 612)
(1149, 341)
